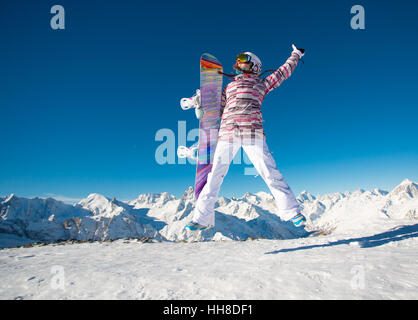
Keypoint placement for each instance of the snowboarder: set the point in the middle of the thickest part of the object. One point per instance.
(241, 126)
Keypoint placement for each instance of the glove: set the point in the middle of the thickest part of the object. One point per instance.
(299, 51)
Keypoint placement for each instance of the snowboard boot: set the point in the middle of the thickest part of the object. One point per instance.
(194, 226)
(299, 220)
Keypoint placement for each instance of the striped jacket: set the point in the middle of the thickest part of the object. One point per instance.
(241, 102)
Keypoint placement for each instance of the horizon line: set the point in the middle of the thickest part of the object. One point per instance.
(72, 200)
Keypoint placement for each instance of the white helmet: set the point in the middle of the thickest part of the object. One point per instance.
(256, 68)
(249, 57)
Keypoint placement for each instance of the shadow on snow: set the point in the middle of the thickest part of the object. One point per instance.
(397, 234)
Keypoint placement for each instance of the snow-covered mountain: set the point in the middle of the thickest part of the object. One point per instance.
(361, 209)
(163, 217)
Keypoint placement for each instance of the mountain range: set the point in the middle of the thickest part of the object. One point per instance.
(162, 217)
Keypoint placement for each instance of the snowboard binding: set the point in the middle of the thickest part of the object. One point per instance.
(184, 152)
(193, 102)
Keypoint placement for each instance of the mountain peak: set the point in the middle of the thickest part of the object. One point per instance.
(305, 195)
(95, 195)
(247, 195)
(406, 181)
(101, 205)
(94, 199)
(153, 199)
(263, 194)
(188, 193)
(407, 188)
(189, 190)
(380, 191)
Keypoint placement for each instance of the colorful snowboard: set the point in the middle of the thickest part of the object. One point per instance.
(211, 93)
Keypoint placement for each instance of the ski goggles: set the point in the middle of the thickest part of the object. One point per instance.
(242, 57)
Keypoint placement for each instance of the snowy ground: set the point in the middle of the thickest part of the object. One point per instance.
(372, 265)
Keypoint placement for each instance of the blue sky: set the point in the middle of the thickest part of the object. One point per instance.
(80, 107)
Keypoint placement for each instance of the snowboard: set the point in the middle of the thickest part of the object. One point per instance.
(211, 94)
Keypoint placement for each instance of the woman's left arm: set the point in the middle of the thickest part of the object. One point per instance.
(284, 72)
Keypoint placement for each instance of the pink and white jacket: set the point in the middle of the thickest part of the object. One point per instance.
(241, 102)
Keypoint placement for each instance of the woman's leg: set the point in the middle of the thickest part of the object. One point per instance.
(204, 212)
(265, 165)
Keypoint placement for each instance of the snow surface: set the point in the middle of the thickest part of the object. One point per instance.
(370, 254)
(371, 266)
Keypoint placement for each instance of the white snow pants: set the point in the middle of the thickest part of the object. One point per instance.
(259, 154)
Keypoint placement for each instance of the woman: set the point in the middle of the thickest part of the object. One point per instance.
(241, 126)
